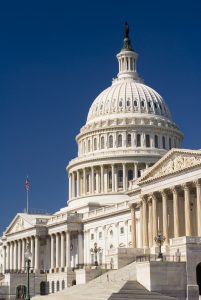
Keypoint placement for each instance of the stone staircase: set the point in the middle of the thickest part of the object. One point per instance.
(114, 285)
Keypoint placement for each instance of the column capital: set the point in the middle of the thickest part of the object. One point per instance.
(132, 205)
(153, 196)
(197, 183)
(175, 190)
(186, 186)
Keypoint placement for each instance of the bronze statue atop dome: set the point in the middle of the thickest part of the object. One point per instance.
(127, 42)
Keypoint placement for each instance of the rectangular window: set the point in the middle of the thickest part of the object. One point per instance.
(122, 230)
(100, 235)
(92, 236)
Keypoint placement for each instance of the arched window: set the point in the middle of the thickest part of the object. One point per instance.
(58, 285)
(110, 141)
(119, 142)
(87, 183)
(110, 180)
(135, 103)
(89, 145)
(163, 142)
(170, 143)
(156, 141)
(129, 140)
(147, 140)
(102, 142)
(120, 179)
(138, 140)
(95, 144)
(63, 284)
(130, 175)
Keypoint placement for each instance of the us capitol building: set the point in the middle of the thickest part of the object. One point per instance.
(129, 182)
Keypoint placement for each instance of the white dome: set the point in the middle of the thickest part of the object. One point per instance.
(127, 97)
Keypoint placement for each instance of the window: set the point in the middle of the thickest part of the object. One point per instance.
(120, 103)
(87, 183)
(102, 142)
(135, 103)
(89, 145)
(128, 103)
(110, 141)
(163, 142)
(170, 143)
(142, 103)
(121, 230)
(120, 179)
(129, 140)
(155, 105)
(95, 144)
(156, 141)
(149, 104)
(138, 140)
(147, 140)
(100, 235)
(130, 175)
(110, 180)
(111, 232)
(119, 142)
(92, 236)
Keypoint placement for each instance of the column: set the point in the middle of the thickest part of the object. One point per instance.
(141, 225)
(113, 185)
(187, 209)
(86, 247)
(126, 233)
(150, 223)
(105, 180)
(133, 226)
(124, 177)
(57, 251)
(115, 180)
(84, 181)
(4, 259)
(37, 253)
(78, 183)
(102, 179)
(165, 216)
(144, 207)
(198, 202)
(14, 255)
(23, 251)
(11, 256)
(52, 252)
(92, 180)
(135, 171)
(154, 217)
(32, 251)
(80, 248)
(48, 251)
(70, 186)
(97, 182)
(175, 212)
(8, 256)
(73, 185)
(67, 249)
(62, 251)
(117, 234)
(19, 254)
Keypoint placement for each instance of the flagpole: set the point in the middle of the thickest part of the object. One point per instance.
(27, 201)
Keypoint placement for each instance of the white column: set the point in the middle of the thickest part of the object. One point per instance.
(11, 256)
(19, 254)
(78, 183)
(135, 171)
(73, 185)
(117, 234)
(175, 212)
(105, 179)
(102, 179)
(37, 253)
(80, 248)
(165, 216)
(115, 179)
(8, 256)
(113, 182)
(4, 258)
(52, 252)
(86, 247)
(124, 177)
(70, 186)
(150, 225)
(57, 251)
(67, 249)
(145, 228)
(23, 251)
(187, 210)
(62, 251)
(84, 182)
(48, 251)
(126, 233)
(15, 255)
(92, 180)
(198, 201)
(133, 226)
(154, 217)
(32, 251)
(97, 182)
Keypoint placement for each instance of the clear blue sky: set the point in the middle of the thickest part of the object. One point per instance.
(56, 56)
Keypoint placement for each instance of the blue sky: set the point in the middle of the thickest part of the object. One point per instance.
(56, 56)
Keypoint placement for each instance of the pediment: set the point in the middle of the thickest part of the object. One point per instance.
(174, 161)
(18, 224)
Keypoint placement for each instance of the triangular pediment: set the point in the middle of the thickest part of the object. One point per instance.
(174, 161)
(18, 224)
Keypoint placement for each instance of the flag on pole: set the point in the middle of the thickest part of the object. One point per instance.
(27, 184)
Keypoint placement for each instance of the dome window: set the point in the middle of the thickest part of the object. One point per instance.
(138, 140)
(102, 142)
(135, 103)
(119, 140)
(147, 141)
(120, 104)
(110, 180)
(149, 104)
(89, 145)
(87, 183)
(163, 142)
(128, 103)
(95, 144)
(156, 141)
(129, 140)
(111, 234)
(120, 179)
(160, 106)
(110, 141)
(142, 103)
(130, 175)
(155, 105)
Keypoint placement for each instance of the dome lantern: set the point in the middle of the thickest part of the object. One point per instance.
(127, 58)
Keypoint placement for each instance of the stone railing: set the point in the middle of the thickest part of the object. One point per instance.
(64, 218)
(105, 210)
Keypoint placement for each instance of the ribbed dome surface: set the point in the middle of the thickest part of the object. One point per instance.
(127, 97)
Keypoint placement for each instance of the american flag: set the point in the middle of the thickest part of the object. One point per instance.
(27, 184)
